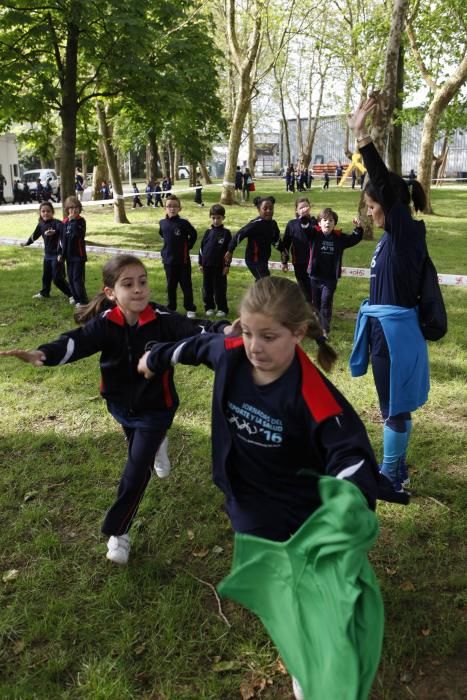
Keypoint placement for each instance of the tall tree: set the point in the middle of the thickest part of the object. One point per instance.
(442, 63)
(245, 30)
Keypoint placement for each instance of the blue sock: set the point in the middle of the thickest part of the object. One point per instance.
(394, 446)
(403, 469)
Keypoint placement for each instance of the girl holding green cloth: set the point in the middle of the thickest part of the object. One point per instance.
(300, 481)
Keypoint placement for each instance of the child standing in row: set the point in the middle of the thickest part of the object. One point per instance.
(120, 321)
(136, 199)
(72, 249)
(261, 233)
(214, 246)
(326, 261)
(199, 193)
(296, 242)
(53, 270)
(179, 237)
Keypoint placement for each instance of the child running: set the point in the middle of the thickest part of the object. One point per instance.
(119, 321)
(72, 249)
(296, 242)
(53, 270)
(262, 233)
(326, 261)
(213, 248)
(278, 426)
(179, 238)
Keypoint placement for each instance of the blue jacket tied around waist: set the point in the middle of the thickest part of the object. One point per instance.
(409, 374)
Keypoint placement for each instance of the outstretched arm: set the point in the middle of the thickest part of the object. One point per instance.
(34, 357)
(377, 170)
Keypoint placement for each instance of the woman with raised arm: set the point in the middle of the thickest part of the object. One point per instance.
(388, 328)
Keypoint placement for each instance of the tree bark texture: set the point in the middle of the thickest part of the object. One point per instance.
(387, 102)
(443, 95)
(68, 112)
(243, 59)
(120, 216)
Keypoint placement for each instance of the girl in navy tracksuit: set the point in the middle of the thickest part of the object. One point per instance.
(261, 233)
(325, 267)
(277, 422)
(72, 249)
(296, 243)
(120, 322)
(213, 248)
(179, 238)
(388, 325)
(53, 271)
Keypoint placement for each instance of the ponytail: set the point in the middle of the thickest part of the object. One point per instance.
(98, 304)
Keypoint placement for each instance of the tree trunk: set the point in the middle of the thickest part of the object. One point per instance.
(387, 102)
(151, 157)
(244, 62)
(251, 142)
(170, 154)
(68, 113)
(193, 174)
(176, 162)
(241, 110)
(205, 173)
(285, 126)
(99, 174)
(120, 216)
(443, 95)
(395, 133)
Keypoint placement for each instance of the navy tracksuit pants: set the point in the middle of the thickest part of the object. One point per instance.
(179, 275)
(53, 271)
(143, 444)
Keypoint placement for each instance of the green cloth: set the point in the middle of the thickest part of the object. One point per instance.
(317, 594)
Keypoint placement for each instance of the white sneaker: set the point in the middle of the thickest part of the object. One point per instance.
(220, 314)
(210, 312)
(297, 690)
(162, 465)
(191, 314)
(71, 300)
(39, 296)
(118, 549)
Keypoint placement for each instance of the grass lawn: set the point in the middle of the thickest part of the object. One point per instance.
(72, 625)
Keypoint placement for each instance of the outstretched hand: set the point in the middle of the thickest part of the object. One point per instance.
(235, 328)
(143, 367)
(357, 120)
(34, 357)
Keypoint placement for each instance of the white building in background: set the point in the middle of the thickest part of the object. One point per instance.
(330, 142)
(9, 166)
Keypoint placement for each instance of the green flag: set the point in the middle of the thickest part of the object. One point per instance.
(317, 594)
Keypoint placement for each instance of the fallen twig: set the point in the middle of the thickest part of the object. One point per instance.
(443, 505)
(219, 606)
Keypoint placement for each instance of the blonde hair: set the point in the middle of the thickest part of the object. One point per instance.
(72, 201)
(283, 300)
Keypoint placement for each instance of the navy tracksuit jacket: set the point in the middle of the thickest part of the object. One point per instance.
(334, 435)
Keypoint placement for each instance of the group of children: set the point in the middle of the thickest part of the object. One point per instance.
(314, 246)
(64, 251)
